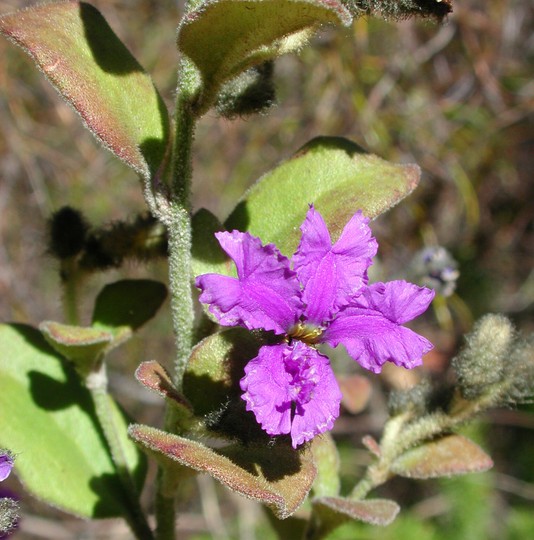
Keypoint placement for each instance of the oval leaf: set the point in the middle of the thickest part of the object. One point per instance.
(278, 476)
(48, 421)
(449, 456)
(124, 306)
(73, 45)
(334, 174)
(225, 37)
(334, 511)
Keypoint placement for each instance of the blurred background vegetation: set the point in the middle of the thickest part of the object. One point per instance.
(457, 99)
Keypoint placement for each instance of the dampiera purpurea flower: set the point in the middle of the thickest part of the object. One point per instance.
(320, 296)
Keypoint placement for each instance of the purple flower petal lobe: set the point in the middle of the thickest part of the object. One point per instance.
(399, 300)
(266, 293)
(291, 389)
(370, 327)
(332, 275)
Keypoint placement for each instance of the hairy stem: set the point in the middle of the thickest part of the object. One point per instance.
(107, 417)
(178, 221)
(401, 434)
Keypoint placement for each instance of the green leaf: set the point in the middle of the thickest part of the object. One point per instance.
(326, 457)
(277, 476)
(226, 37)
(122, 307)
(73, 45)
(449, 456)
(82, 346)
(211, 384)
(208, 257)
(331, 512)
(334, 174)
(48, 421)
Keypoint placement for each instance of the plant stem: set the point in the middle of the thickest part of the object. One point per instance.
(165, 511)
(178, 221)
(400, 435)
(107, 413)
(71, 278)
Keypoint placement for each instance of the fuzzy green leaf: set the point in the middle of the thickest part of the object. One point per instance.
(226, 37)
(449, 456)
(122, 307)
(334, 174)
(326, 457)
(73, 45)
(331, 512)
(279, 477)
(48, 421)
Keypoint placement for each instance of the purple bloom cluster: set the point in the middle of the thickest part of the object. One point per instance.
(320, 296)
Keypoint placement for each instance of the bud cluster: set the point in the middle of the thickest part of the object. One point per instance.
(72, 238)
(400, 9)
(496, 363)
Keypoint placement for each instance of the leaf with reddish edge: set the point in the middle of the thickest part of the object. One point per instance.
(226, 37)
(331, 512)
(450, 456)
(81, 345)
(276, 476)
(156, 378)
(334, 174)
(73, 45)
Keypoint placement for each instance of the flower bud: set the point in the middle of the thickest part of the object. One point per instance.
(435, 268)
(481, 363)
(67, 231)
(9, 515)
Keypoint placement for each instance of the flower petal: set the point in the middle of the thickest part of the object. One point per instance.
(332, 275)
(283, 375)
(399, 300)
(266, 293)
(6, 464)
(370, 327)
(319, 413)
(266, 389)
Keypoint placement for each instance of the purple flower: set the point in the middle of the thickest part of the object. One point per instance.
(6, 464)
(321, 296)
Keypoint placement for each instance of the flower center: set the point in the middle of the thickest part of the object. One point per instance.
(306, 333)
